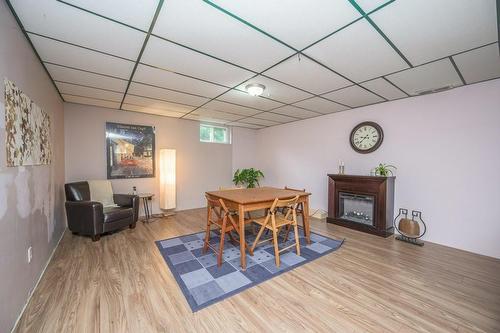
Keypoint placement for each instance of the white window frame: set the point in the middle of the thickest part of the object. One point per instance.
(211, 140)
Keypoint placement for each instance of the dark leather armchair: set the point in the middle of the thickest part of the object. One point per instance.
(90, 218)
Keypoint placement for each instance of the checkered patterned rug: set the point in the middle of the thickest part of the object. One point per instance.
(204, 283)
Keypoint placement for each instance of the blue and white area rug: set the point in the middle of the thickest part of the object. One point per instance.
(204, 283)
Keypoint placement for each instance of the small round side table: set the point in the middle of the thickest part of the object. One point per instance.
(145, 197)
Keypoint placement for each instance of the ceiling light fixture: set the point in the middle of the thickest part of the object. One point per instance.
(255, 89)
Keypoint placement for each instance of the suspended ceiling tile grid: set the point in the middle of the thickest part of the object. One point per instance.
(192, 59)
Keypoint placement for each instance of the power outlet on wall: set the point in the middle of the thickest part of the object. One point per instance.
(30, 254)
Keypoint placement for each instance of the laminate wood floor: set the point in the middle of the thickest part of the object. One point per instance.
(372, 284)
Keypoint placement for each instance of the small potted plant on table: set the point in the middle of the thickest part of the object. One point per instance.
(247, 177)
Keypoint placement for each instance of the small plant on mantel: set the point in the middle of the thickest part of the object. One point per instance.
(248, 177)
(384, 170)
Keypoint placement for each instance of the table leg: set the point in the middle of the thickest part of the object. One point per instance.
(305, 218)
(144, 208)
(150, 207)
(241, 215)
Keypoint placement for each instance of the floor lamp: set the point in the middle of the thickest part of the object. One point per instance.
(167, 180)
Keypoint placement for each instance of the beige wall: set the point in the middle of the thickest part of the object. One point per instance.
(200, 166)
(31, 197)
(444, 145)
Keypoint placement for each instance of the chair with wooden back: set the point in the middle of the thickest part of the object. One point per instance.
(300, 206)
(226, 221)
(300, 209)
(248, 215)
(274, 221)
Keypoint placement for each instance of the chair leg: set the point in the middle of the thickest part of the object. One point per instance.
(276, 250)
(231, 237)
(287, 232)
(96, 238)
(221, 246)
(252, 224)
(132, 226)
(259, 234)
(297, 243)
(207, 237)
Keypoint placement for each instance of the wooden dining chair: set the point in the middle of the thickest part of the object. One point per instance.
(274, 221)
(248, 215)
(300, 210)
(218, 214)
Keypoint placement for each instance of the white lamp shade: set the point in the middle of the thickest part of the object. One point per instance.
(167, 179)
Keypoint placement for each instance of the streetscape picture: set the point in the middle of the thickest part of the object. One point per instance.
(130, 151)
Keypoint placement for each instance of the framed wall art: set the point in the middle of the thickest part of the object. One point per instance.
(130, 151)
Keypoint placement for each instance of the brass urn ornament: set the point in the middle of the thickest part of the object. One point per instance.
(410, 230)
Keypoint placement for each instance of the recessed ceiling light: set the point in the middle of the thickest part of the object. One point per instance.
(255, 89)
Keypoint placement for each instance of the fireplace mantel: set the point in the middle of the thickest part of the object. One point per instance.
(374, 196)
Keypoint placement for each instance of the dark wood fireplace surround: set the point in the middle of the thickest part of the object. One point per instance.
(381, 188)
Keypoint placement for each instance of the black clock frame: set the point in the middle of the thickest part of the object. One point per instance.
(380, 135)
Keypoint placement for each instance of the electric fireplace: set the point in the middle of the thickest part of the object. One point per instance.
(356, 208)
(363, 203)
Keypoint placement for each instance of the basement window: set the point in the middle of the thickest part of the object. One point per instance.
(214, 134)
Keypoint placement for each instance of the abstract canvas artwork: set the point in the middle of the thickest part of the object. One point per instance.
(27, 127)
(130, 151)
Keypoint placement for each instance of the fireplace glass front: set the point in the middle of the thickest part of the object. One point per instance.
(356, 208)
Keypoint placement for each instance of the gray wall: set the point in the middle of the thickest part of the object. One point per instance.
(200, 166)
(31, 197)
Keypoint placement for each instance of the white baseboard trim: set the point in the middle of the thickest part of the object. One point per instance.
(37, 282)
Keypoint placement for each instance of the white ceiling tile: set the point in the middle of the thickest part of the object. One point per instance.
(257, 121)
(243, 98)
(185, 61)
(274, 117)
(353, 96)
(69, 75)
(72, 89)
(156, 104)
(151, 110)
(480, 64)
(289, 110)
(230, 108)
(91, 101)
(321, 105)
(138, 14)
(358, 52)
(369, 5)
(384, 88)
(170, 80)
(204, 118)
(304, 73)
(222, 35)
(276, 90)
(165, 94)
(296, 22)
(60, 21)
(238, 124)
(216, 114)
(73, 56)
(425, 32)
(431, 76)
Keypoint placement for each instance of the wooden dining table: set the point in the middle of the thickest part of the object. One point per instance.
(250, 199)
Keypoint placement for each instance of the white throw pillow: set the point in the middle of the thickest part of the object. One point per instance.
(101, 191)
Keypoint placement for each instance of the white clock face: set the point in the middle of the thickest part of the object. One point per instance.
(366, 137)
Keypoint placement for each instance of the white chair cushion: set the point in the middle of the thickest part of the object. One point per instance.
(101, 191)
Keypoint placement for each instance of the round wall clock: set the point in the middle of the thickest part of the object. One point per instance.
(366, 137)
